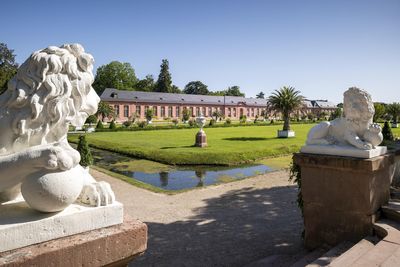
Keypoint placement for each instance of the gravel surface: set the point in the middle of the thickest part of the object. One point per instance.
(231, 224)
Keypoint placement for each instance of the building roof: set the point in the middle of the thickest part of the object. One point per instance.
(111, 94)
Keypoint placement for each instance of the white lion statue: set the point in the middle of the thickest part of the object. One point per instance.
(51, 90)
(355, 128)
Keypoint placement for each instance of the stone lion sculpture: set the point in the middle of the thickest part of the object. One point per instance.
(355, 128)
(51, 90)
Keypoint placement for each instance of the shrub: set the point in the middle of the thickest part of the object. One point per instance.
(175, 121)
(272, 121)
(127, 123)
(185, 114)
(167, 118)
(149, 114)
(243, 118)
(99, 125)
(92, 119)
(212, 122)
(142, 124)
(255, 120)
(112, 126)
(228, 121)
(387, 132)
(84, 151)
(191, 123)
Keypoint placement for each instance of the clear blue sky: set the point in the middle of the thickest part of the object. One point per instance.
(320, 47)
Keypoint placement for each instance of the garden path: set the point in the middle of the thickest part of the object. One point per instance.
(230, 224)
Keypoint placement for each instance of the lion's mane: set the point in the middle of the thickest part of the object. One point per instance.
(357, 104)
(47, 93)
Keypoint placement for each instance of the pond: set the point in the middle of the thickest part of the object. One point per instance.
(173, 177)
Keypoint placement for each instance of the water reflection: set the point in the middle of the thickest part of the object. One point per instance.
(178, 177)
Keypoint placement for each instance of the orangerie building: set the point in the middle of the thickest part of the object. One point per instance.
(167, 105)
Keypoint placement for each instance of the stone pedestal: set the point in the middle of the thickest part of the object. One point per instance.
(112, 246)
(201, 139)
(285, 134)
(341, 196)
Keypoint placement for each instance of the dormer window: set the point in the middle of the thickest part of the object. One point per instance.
(114, 95)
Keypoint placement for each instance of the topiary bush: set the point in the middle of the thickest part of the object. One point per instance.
(228, 121)
(212, 122)
(243, 118)
(142, 124)
(127, 123)
(99, 125)
(387, 132)
(112, 126)
(191, 123)
(175, 121)
(84, 151)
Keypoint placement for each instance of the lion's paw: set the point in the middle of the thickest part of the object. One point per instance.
(97, 194)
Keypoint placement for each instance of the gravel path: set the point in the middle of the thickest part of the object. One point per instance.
(232, 224)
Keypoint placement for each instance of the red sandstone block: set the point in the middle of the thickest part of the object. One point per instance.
(115, 246)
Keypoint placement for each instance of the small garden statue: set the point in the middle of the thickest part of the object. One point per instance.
(201, 138)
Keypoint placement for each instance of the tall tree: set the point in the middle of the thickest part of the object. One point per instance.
(285, 100)
(147, 84)
(380, 111)
(116, 75)
(8, 66)
(260, 95)
(175, 89)
(234, 91)
(196, 88)
(164, 82)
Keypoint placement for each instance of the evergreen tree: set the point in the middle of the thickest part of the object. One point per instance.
(196, 88)
(387, 132)
(164, 82)
(99, 125)
(84, 151)
(113, 126)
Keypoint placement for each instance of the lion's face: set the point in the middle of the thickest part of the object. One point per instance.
(51, 89)
(358, 106)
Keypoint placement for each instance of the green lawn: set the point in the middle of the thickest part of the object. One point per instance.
(226, 146)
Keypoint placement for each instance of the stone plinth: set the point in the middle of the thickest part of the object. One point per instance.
(285, 134)
(341, 196)
(111, 246)
(22, 226)
(201, 139)
(347, 151)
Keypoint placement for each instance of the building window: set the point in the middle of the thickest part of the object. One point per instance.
(177, 112)
(229, 112)
(170, 111)
(197, 111)
(138, 110)
(162, 112)
(203, 110)
(210, 111)
(248, 112)
(192, 111)
(252, 112)
(155, 111)
(234, 112)
(126, 111)
(146, 108)
(116, 110)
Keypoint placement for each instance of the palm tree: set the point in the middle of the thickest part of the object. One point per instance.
(285, 100)
(104, 110)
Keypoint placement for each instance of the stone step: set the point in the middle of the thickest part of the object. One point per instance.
(392, 210)
(309, 258)
(332, 254)
(355, 252)
(384, 249)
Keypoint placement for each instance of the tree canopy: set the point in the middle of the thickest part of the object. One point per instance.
(164, 82)
(8, 66)
(285, 100)
(394, 111)
(147, 84)
(104, 110)
(380, 111)
(196, 88)
(116, 75)
(231, 91)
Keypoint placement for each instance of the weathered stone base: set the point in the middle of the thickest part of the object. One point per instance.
(341, 196)
(22, 226)
(285, 134)
(111, 246)
(201, 139)
(346, 151)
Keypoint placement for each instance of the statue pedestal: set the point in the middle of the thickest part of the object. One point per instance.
(201, 139)
(22, 226)
(341, 196)
(111, 246)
